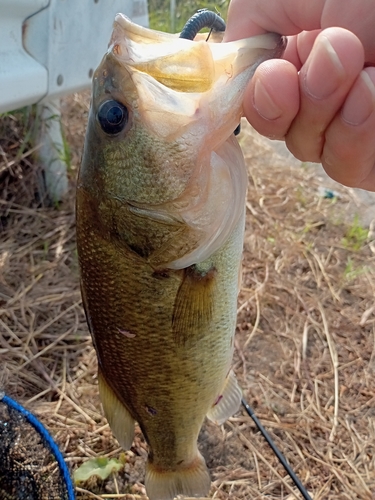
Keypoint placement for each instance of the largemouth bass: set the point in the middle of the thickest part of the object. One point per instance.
(160, 222)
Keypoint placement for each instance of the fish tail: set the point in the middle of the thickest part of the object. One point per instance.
(188, 479)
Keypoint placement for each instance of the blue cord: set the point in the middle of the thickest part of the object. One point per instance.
(47, 438)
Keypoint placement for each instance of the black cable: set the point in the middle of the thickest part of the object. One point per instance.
(276, 451)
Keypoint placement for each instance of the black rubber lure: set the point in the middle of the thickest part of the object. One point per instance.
(204, 18)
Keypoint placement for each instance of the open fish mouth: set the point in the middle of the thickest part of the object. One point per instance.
(182, 65)
(191, 92)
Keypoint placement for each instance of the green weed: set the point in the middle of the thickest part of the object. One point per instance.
(352, 272)
(355, 236)
(101, 467)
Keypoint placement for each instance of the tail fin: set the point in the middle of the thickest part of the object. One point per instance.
(192, 480)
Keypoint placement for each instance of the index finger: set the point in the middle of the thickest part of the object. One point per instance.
(289, 17)
(254, 17)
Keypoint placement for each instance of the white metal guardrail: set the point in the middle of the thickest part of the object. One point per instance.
(50, 48)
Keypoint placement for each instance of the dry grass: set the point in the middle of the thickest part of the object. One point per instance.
(305, 343)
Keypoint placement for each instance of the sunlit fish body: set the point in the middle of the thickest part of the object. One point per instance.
(160, 222)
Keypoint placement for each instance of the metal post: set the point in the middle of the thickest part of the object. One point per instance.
(173, 15)
(51, 151)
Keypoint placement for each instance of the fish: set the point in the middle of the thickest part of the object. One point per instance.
(160, 210)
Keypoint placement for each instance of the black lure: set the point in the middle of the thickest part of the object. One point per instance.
(203, 18)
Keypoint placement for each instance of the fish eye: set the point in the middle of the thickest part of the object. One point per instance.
(112, 116)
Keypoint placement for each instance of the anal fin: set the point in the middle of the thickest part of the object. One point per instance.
(119, 418)
(228, 402)
(190, 480)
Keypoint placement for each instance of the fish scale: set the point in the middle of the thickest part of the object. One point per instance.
(160, 223)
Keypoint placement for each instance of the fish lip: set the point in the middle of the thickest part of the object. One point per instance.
(135, 31)
(126, 35)
(281, 45)
(280, 42)
(127, 26)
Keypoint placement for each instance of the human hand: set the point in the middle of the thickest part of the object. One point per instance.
(320, 98)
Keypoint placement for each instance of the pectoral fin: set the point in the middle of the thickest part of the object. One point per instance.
(194, 303)
(119, 418)
(228, 402)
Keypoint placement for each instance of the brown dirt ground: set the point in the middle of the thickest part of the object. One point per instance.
(305, 339)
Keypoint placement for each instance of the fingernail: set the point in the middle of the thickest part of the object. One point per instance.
(264, 103)
(361, 101)
(324, 70)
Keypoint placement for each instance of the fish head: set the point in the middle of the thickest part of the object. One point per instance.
(158, 101)
(161, 105)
